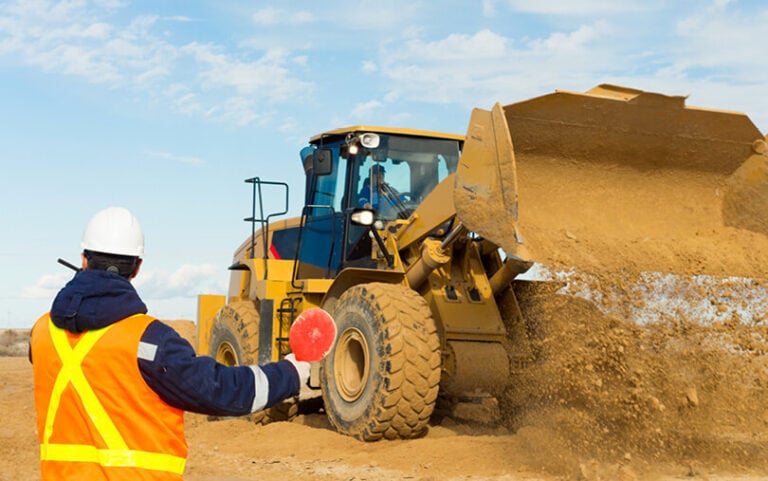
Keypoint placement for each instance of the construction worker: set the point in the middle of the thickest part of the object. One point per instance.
(112, 383)
(378, 194)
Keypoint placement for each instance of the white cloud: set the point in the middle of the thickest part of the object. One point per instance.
(267, 16)
(716, 43)
(489, 8)
(579, 7)
(300, 60)
(400, 118)
(559, 43)
(275, 16)
(709, 52)
(68, 38)
(187, 281)
(111, 3)
(723, 3)
(485, 44)
(47, 286)
(717, 37)
(365, 111)
(290, 125)
(369, 67)
(184, 100)
(77, 39)
(175, 158)
(377, 16)
(79, 61)
(180, 18)
(234, 110)
(168, 295)
(267, 76)
(486, 67)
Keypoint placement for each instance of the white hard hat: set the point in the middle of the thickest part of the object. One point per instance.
(114, 230)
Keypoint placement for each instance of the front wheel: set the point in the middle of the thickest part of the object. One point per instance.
(382, 378)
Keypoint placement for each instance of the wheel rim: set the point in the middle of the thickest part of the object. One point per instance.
(226, 355)
(351, 364)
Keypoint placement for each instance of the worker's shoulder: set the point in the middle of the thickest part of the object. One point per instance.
(159, 331)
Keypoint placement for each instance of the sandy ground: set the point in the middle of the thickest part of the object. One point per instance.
(608, 410)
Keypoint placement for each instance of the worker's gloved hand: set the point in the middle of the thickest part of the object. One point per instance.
(302, 367)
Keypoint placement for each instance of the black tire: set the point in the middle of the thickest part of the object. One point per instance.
(235, 342)
(234, 337)
(382, 378)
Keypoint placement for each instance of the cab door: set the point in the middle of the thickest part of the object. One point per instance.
(322, 232)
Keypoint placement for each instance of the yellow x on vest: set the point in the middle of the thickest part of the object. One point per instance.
(117, 452)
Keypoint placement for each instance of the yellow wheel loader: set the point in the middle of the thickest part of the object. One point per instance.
(413, 240)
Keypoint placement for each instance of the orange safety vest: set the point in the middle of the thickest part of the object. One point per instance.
(97, 419)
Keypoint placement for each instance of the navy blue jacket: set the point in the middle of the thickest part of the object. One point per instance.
(94, 299)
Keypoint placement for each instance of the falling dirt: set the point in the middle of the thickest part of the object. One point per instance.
(649, 343)
(608, 391)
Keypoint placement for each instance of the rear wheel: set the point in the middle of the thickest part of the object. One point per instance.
(234, 337)
(382, 378)
(235, 342)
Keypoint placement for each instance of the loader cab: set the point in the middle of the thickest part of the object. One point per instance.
(388, 170)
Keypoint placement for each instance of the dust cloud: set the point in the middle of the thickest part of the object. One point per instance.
(609, 390)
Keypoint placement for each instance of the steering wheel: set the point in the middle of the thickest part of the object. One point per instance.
(408, 200)
(404, 204)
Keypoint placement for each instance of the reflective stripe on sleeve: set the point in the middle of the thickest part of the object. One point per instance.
(261, 387)
(147, 351)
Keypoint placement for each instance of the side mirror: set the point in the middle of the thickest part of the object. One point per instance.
(322, 162)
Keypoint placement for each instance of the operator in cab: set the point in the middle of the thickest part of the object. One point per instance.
(377, 194)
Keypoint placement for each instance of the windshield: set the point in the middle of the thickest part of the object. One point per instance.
(396, 176)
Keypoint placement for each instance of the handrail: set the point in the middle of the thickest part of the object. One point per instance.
(263, 221)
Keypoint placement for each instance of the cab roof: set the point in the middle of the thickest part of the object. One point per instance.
(384, 130)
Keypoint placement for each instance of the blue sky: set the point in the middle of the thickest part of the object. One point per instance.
(165, 107)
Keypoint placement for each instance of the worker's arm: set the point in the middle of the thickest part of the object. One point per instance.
(199, 384)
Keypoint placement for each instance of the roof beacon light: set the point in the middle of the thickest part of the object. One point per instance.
(369, 140)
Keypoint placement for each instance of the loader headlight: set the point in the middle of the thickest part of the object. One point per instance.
(362, 217)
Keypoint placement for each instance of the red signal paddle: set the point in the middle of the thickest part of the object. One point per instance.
(312, 335)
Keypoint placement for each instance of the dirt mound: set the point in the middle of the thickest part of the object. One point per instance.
(14, 342)
(606, 390)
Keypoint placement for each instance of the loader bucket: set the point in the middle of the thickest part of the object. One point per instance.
(486, 183)
(617, 179)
